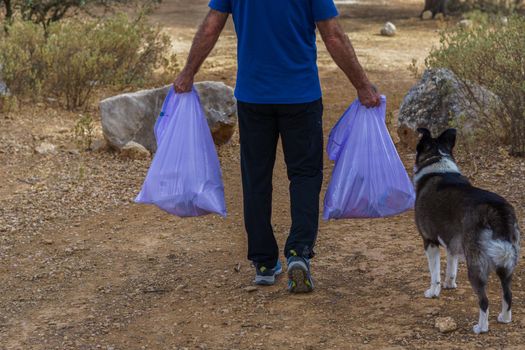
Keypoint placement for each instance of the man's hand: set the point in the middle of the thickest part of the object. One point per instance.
(369, 97)
(184, 82)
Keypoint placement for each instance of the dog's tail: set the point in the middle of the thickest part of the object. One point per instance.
(502, 252)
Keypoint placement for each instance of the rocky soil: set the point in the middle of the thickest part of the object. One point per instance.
(82, 267)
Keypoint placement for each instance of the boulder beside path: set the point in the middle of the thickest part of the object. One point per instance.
(440, 101)
(132, 116)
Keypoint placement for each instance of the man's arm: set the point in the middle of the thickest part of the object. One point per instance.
(203, 43)
(340, 48)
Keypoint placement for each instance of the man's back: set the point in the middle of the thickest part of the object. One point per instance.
(277, 51)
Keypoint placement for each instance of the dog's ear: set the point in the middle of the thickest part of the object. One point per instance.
(424, 143)
(448, 139)
(424, 132)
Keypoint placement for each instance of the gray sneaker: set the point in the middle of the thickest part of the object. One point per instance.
(265, 276)
(299, 277)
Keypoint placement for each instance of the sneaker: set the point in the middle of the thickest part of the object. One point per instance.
(299, 277)
(265, 276)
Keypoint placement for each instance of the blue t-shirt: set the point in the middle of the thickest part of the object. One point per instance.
(277, 53)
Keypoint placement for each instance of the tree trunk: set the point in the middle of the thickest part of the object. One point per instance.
(435, 6)
(8, 10)
(8, 5)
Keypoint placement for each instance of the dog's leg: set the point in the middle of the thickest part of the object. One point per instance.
(443, 7)
(452, 271)
(478, 279)
(506, 278)
(424, 10)
(433, 256)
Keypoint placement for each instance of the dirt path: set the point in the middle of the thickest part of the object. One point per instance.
(83, 268)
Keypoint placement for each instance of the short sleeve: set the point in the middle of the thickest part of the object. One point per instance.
(221, 5)
(324, 9)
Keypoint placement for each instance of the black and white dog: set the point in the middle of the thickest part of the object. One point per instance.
(469, 222)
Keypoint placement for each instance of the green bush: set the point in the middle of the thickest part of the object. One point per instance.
(45, 12)
(495, 6)
(492, 55)
(22, 58)
(75, 57)
(84, 132)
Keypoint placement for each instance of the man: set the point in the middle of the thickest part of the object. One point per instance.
(279, 94)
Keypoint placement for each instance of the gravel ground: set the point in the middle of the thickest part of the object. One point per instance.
(82, 267)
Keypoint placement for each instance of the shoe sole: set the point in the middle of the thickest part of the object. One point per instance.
(298, 276)
(267, 280)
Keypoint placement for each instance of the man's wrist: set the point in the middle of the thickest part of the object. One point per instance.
(362, 84)
(189, 71)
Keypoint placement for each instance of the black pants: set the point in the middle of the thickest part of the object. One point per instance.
(300, 128)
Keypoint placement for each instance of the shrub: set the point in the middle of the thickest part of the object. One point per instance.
(22, 58)
(496, 6)
(117, 52)
(77, 56)
(490, 54)
(84, 132)
(45, 12)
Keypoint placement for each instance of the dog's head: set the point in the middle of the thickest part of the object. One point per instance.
(431, 150)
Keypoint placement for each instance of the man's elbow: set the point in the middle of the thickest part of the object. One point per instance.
(213, 24)
(331, 32)
(333, 41)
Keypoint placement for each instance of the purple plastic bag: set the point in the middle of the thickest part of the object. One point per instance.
(185, 177)
(369, 179)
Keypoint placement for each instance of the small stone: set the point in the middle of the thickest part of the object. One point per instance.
(465, 24)
(237, 267)
(99, 145)
(440, 17)
(133, 150)
(46, 148)
(427, 15)
(362, 267)
(4, 91)
(433, 312)
(47, 241)
(446, 324)
(389, 29)
(250, 289)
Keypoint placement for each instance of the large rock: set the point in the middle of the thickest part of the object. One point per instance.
(440, 101)
(131, 117)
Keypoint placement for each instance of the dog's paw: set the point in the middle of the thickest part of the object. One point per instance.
(505, 317)
(478, 329)
(433, 291)
(449, 284)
